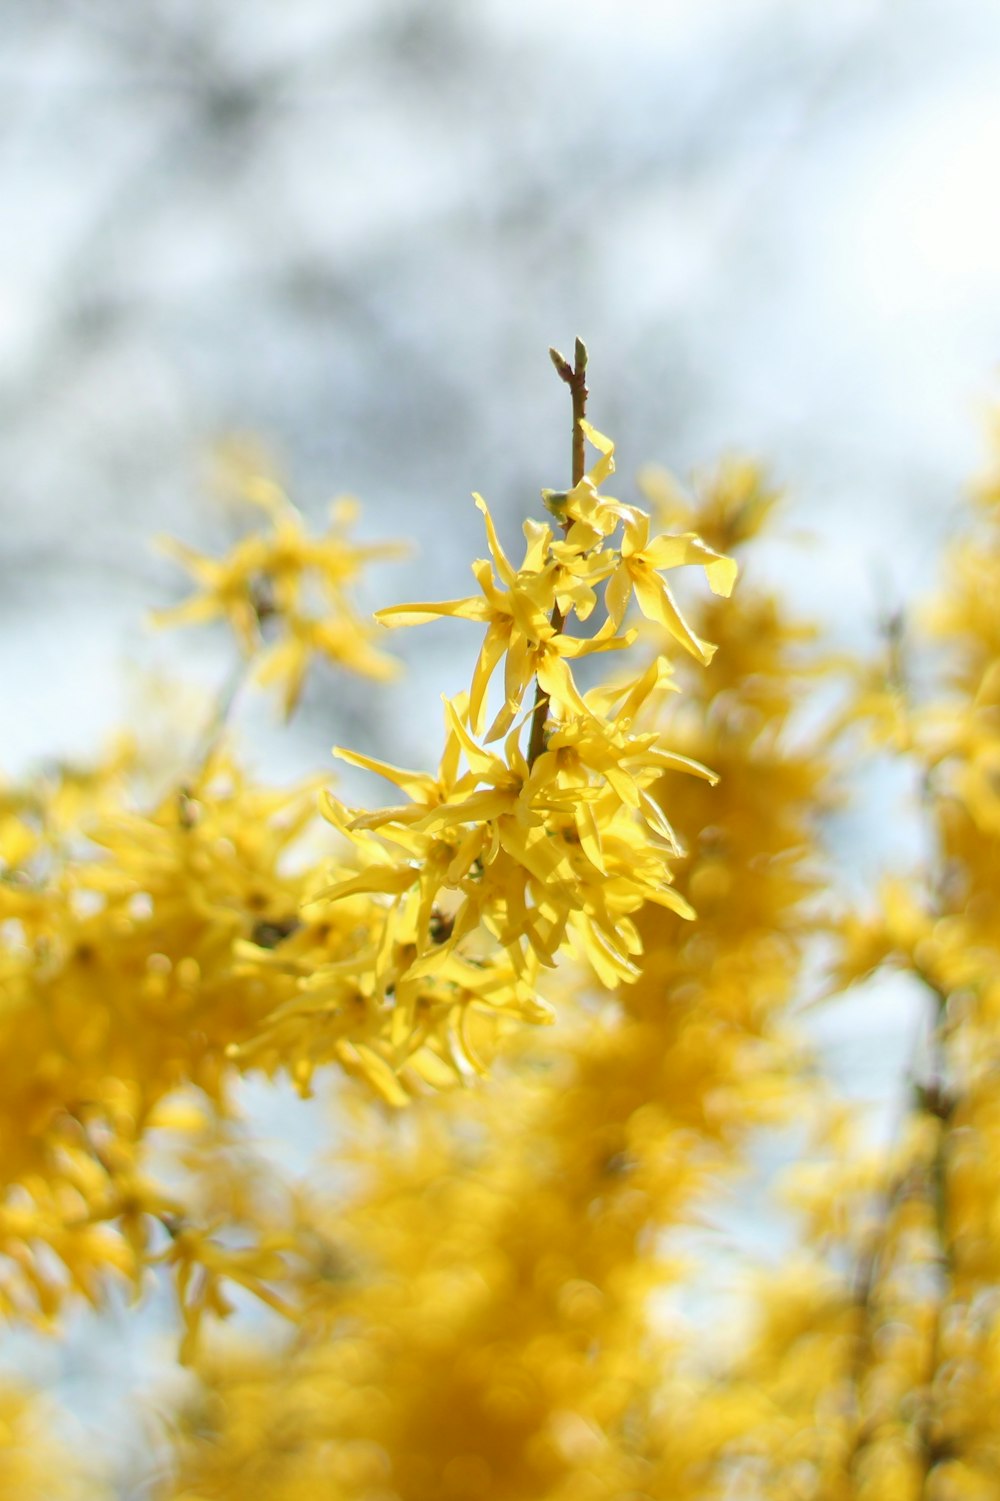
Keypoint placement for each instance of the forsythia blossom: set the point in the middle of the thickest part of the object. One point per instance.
(558, 846)
(286, 584)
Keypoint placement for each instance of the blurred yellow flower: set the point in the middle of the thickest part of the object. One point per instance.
(286, 594)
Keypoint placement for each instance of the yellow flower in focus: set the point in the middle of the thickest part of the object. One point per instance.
(517, 615)
(642, 562)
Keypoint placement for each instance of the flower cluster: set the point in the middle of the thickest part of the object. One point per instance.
(558, 843)
(489, 1334)
(120, 985)
(472, 1296)
(159, 944)
(876, 1368)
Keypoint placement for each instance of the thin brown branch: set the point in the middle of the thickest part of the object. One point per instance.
(575, 376)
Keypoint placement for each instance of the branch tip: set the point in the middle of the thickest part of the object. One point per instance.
(563, 367)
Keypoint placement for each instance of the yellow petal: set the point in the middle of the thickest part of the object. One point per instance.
(606, 464)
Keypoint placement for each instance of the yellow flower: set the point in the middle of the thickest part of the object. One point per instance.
(518, 624)
(526, 852)
(515, 612)
(284, 583)
(642, 562)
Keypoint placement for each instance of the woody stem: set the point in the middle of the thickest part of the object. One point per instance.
(575, 376)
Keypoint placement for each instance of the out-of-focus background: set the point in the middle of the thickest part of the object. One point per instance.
(352, 229)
